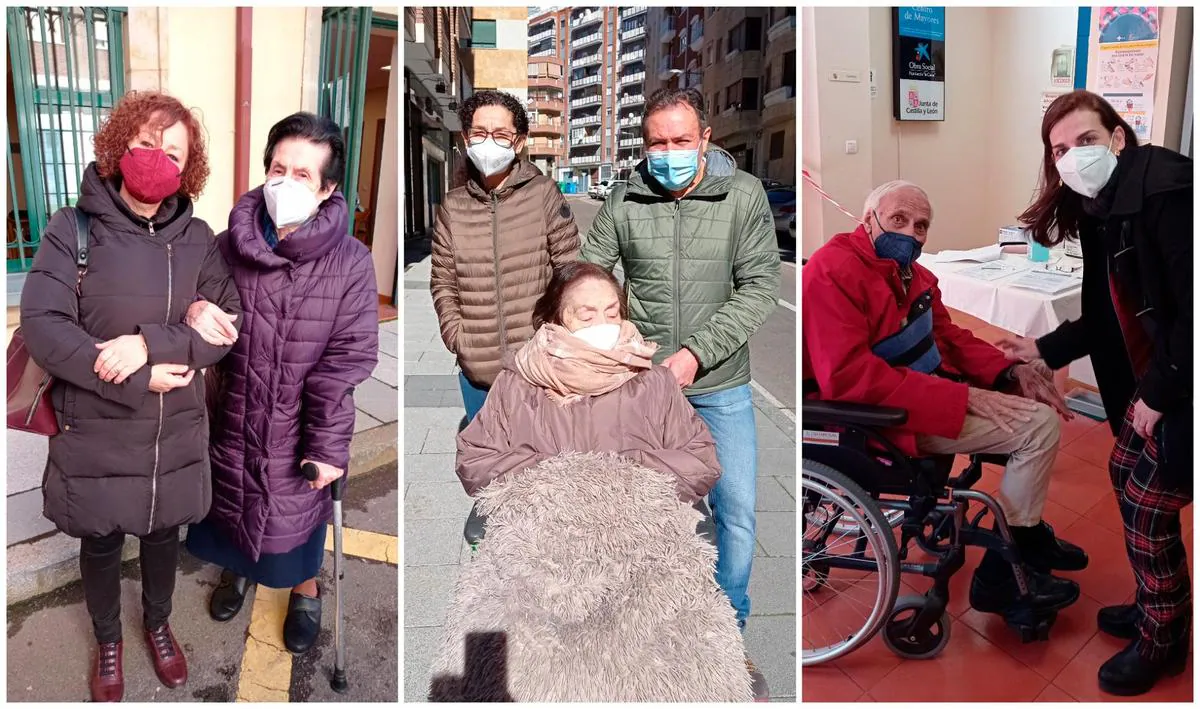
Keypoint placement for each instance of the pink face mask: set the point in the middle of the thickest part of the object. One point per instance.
(149, 175)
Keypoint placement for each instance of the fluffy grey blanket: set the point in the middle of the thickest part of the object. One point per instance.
(591, 585)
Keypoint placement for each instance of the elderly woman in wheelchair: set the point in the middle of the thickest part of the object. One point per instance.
(893, 391)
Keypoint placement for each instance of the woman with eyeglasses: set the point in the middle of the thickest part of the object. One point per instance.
(496, 242)
(1130, 207)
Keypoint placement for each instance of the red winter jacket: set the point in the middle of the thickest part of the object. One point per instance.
(852, 299)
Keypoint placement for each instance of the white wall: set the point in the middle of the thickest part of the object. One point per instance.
(512, 34)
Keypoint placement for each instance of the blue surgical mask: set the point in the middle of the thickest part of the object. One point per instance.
(674, 169)
(901, 248)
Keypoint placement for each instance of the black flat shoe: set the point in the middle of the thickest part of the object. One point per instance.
(1128, 674)
(303, 622)
(1119, 621)
(227, 599)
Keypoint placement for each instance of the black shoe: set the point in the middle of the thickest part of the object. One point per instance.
(1043, 552)
(303, 622)
(227, 599)
(994, 588)
(1128, 674)
(1119, 621)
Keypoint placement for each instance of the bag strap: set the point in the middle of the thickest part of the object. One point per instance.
(81, 246)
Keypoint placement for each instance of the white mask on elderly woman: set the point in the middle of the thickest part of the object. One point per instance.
(602, 337)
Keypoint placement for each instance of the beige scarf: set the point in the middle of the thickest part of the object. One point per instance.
(570, 369)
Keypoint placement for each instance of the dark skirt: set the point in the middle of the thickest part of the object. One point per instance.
(287, 570)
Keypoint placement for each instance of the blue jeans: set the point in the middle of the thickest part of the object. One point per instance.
(473, 396)
(730, 418)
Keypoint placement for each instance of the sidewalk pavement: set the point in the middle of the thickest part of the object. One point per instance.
(41, 559)
(435, 508)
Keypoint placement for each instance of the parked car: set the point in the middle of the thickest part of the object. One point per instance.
(783, 206)
(602, 189)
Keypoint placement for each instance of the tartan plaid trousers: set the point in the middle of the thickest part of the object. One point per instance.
(1153, 541)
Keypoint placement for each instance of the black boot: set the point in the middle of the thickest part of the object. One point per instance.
(994, 588)
(303, 622)
(1043, 552)
(1128, 674)
(226, 601)
(1119, 621)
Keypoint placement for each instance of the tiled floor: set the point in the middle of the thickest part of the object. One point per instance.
(984, 660)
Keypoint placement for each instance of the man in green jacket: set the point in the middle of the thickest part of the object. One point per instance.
(696, 240)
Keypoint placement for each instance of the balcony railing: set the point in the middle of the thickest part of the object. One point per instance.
(587, 18)
(781, 28)
(696, 36)
(545, 147)
(779, 95)
(631, 11)
(630, 122)
(632, 100)
(586, 120)
(587, 60)
(586, 160)
(632, 78)
(544, 53)
(544, 81)
(580, 102)
(639, 55)
(546, 126)
(630, 142)
(593, 139)
(551, 105)
(585, 41)
(634, 33)
(666, 32)
(535, 38)
(585, 81)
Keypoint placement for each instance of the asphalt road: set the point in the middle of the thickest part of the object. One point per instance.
(50, 643)
(773, 348)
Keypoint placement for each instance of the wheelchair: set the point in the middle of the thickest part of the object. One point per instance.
(859, 493)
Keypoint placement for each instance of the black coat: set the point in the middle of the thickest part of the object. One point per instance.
(126, 459)
(1151, 211)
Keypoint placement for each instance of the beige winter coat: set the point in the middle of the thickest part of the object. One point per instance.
(493, 254)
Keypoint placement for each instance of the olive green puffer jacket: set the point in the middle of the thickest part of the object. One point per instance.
(701, 272)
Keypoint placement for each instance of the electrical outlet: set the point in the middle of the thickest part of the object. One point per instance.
(852, 147)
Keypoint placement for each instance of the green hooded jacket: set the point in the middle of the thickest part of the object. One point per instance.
(701, 272)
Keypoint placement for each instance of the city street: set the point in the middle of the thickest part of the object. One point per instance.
(435, 506)
(50, 642)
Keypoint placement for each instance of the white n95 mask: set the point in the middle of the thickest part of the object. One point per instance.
(289, 202)
(1086, 169)
(602, 337)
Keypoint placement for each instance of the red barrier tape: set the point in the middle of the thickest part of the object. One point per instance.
(827, 197)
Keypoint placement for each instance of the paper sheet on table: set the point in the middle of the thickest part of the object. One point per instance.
(993, 271)
(982, 255)
(1047, 282)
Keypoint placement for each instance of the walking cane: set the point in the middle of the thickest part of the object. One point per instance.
(338, 682)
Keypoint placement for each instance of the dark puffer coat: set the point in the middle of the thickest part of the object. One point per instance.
(310, 336)
(126, 459)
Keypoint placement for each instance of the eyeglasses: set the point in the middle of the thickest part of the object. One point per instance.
(503, 138)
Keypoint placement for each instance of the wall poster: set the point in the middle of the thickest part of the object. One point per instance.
(1127, 63)
(919, 63)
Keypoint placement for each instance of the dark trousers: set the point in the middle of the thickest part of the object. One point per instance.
(1150, 507)
(100, 565)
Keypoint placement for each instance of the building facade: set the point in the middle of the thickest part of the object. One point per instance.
(586, 72)
(778, 143)
(674, 57)
(499, 49)
(69, 66)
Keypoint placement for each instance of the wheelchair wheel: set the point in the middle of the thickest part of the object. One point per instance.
(911, 643)
(850, 564)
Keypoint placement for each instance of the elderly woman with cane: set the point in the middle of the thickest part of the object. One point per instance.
(284, 402)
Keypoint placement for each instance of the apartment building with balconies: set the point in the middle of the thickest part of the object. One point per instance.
(547, 77)
(674, 56)
(778, 145)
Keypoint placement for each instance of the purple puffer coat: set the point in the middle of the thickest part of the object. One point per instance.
(310, 335)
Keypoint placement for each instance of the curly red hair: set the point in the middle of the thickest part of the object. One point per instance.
(136, 110)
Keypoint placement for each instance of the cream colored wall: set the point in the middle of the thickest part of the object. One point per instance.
(980, 165)
(277, 76)
(812, 231)
(374, 109)
(385, 242)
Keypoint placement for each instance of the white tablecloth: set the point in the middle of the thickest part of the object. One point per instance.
(1017, 310)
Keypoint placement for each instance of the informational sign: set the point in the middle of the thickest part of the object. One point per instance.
(1127, 63)
(1062, 68)
(1049, 97)
(919, 63)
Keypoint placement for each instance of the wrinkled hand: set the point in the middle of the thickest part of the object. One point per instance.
(1000, 409)
(1145, 419)
(213, 324)
(325, 474)
(684, 365)
(120, 358)
(1036, 381)
(165, 377)
(1022, 349)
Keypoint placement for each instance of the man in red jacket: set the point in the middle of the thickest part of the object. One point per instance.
(876, 332)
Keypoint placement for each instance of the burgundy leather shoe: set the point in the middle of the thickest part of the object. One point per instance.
(169, 661)
(108, 677)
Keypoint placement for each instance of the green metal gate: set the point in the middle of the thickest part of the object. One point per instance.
(345, 38)
(68, 70)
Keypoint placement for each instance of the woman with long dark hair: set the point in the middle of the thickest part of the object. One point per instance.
(1130, 207)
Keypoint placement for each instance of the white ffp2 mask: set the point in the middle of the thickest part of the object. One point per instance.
(1086, 169)
(602, 337)
(289, 202)
(490, 157)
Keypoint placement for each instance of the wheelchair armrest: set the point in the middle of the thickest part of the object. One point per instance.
(833, 413)
(476, 526)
